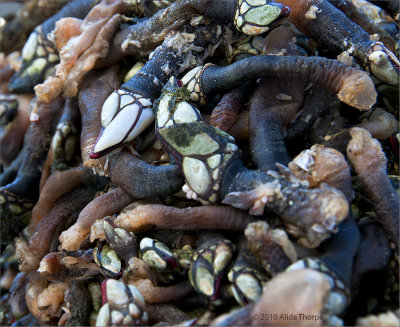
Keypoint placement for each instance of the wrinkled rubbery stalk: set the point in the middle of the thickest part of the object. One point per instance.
(16, 31)
(370, 164)
(14, 121)
(203, 82)
(18, 197)
(95, 89)
(373, 19)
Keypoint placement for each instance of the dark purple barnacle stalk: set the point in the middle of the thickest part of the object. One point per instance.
(373, 19)
(18, 197)
(143, 37)
(351, 86)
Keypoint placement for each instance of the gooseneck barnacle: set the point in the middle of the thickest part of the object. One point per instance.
(39, 53)
(128, 111)
(183, 158)
(342, 34)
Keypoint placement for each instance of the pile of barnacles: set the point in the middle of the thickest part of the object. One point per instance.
(199, 162)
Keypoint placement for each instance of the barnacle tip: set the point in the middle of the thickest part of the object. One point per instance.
(286, 11)
(19, 84)
(95, 155)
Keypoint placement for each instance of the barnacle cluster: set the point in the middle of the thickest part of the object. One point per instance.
(199, 162)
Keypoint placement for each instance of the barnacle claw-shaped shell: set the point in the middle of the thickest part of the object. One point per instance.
(157, 255)
(207, 266)
(256, 16)
(203, 153)
(15, 213)
(123, 242)
(247, 281)
(123, 117)
(39, 57)
(192, 83)
(251, 44)
(172, 108)
(64, 142)
(108, 260)
(123, 305)
(383, 64)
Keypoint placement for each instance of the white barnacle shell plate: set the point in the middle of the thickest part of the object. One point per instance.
(109, 109)
(214, 161)
(188, 77)
(202, 144)
(248, 285)
(116, 294)
(185, 113)
(30, 47)
(163, 114)
(138, 297)
(196, 174)
(153, 259)
(35, 67)
(146, 242)
(103, 317)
